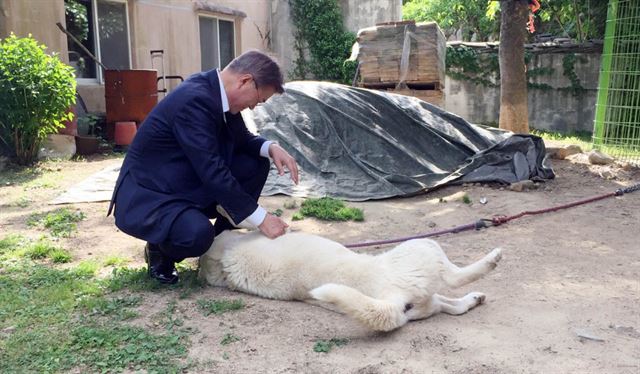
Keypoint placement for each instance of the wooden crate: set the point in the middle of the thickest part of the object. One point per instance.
(380, 53)
(435, 97)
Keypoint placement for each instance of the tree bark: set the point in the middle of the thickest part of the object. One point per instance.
(514, 111)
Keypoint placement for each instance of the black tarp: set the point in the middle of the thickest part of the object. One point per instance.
(358, 144)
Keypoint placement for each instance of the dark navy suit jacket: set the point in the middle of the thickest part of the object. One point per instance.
(179, 159)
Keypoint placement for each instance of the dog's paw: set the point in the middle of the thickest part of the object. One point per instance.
(477, 298)
(494, 257)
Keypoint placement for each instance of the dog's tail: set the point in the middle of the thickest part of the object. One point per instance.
(376, 314)
(456, 277)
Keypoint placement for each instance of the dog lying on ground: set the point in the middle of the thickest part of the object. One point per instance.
(383, 292)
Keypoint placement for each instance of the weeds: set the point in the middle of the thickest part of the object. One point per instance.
(324, 346)
(61, 222)
(65, 320)
(115, 261)
(18, 246)
(330, 209)
(229, 338)
(209, 307)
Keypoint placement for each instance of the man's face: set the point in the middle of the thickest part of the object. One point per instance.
(248, 94)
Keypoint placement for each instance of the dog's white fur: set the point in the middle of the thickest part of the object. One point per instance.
(382, 292)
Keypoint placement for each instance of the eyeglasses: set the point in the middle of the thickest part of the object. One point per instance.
(255, 84)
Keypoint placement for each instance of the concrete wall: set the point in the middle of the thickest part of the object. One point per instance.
(357, 14)
(24, 17)
(170, 25)
(555, 109)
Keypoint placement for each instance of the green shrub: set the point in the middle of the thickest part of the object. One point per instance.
(61, 222)
(36, 91)
(330, 209)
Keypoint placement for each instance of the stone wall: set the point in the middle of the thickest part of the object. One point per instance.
(556, 109)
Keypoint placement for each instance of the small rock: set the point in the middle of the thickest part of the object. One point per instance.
(431, 224)
(521, 186)
(560, 153)
(607, 174)
(586, 334)
(626, 166)
(569, 150)
(483, 200)
(598, 158)
(553, 152)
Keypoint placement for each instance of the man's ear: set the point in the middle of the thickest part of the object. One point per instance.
(244, 79)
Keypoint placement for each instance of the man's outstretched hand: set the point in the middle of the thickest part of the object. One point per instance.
(282, 159)
(272, 226)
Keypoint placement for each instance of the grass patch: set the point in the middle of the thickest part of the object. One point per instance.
(581, 138)
(60, 222)
(115, 261)
(325, 346)
(330, 209)
(22, 202)
(16, 246)
(229, 338)
(466, 199)
(67, 320)
(209, 307)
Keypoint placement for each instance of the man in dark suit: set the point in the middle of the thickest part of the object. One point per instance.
(193, 159)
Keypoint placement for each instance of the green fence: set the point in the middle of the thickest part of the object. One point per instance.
(617, 119)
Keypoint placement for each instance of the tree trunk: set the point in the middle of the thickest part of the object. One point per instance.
(513, 80)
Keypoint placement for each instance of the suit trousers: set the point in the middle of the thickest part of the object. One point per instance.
(192, 233)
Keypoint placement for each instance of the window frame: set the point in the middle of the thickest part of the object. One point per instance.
(99, 79)
(235, 34)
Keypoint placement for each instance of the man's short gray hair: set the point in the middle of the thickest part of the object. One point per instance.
(264, 69)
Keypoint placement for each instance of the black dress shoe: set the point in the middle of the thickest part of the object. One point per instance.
(159, 266)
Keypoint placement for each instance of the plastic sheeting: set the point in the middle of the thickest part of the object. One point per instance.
(358, 144)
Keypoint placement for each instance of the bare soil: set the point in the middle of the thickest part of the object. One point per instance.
(564, 299)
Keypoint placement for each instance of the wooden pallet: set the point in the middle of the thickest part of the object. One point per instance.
(381, 47)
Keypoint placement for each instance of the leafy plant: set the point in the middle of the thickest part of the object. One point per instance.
(330, 209)
(87, 124)
(61, 222)
(209, 307)
(325, 346)
(52, 331)
(228, 339)
(36, 91)
(473, 19)
(319, 27)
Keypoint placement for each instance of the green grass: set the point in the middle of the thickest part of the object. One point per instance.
(330, 209)
(581, 138)
(67, 320)
(209, 307)
(16, 246)
(115, 261)
(60, 222)
(229, 338)
(325, 346)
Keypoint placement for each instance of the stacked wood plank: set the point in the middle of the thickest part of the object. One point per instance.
(380, 54)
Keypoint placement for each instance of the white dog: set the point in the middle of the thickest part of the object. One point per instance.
(382, 292)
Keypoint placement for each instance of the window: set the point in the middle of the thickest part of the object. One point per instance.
(103, 28)
(217, 42)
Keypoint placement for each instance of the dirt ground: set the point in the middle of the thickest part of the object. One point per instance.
(564, 275)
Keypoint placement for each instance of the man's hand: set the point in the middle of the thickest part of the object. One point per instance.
(272, 226)
(283, 159)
